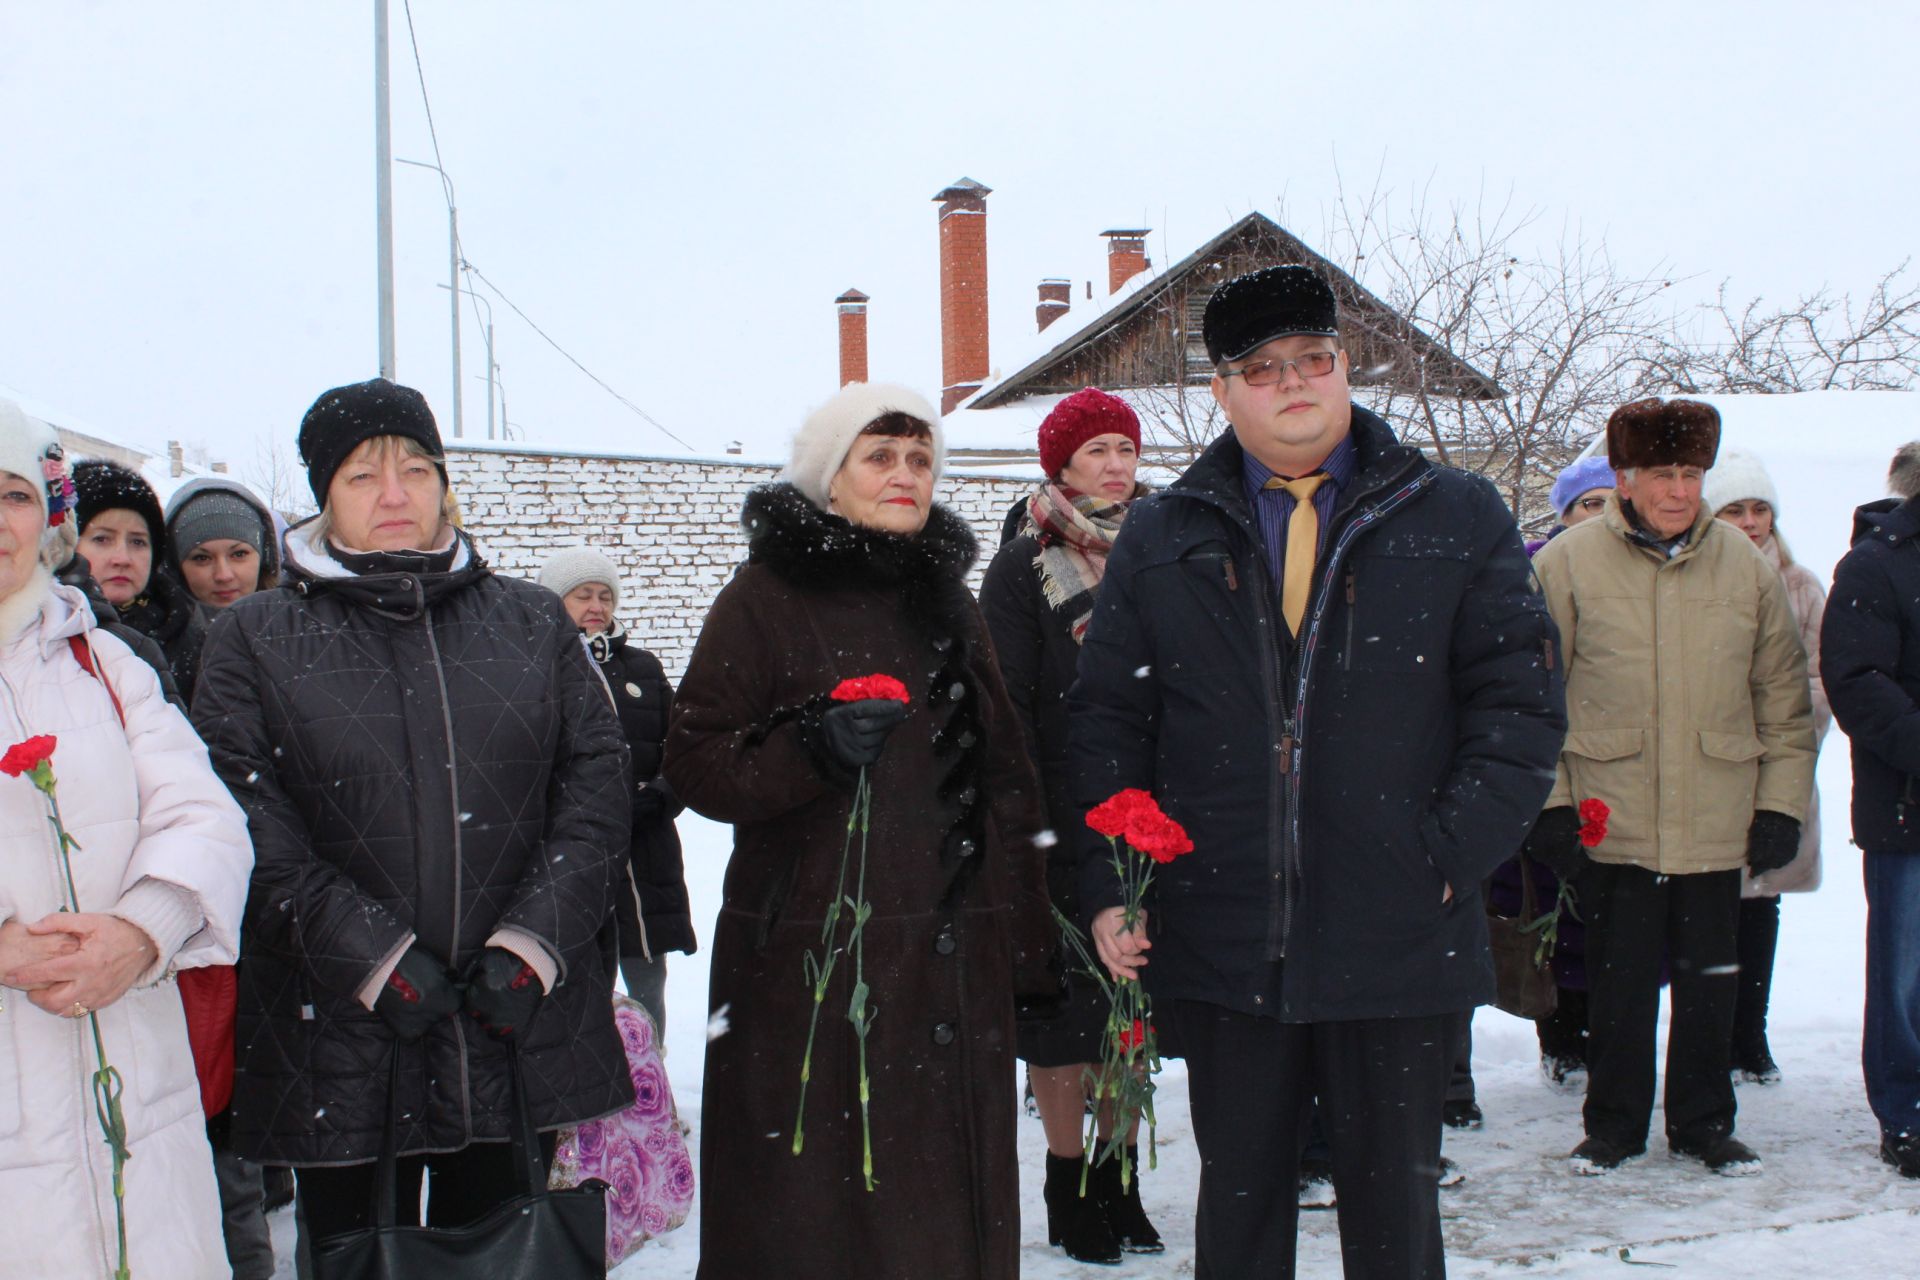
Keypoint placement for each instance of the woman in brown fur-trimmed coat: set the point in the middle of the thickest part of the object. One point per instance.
(853, 571)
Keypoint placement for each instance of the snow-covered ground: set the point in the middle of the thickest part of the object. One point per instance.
(1824, 1205)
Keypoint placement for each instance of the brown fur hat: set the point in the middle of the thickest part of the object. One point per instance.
(1663, 433)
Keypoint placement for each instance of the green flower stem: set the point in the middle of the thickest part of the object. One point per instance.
(857, 1012)
(819, 973)
(107, 1084)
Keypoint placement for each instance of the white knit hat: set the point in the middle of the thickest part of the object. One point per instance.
(575, 566)
(1737, 477)
(824, 439)
(26, 446)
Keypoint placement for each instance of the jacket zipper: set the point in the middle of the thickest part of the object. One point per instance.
(453, 788)
(1309, 638)
(1353, 598)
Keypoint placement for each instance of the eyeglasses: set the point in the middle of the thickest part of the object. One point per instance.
(1264, 373)
(1592, 506)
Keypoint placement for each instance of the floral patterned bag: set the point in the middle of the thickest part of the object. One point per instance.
(639, 1153)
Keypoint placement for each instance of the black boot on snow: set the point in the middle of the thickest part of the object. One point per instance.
(1075, 1222)
(1125, 1216)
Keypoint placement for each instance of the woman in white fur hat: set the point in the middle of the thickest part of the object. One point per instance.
(160, 874)
(854, 570)
(1739, 491)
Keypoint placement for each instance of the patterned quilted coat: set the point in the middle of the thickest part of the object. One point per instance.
(420, 746)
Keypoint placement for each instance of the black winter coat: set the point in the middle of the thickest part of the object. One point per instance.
(1332, 788)
(1870, 665)
(1037, 656)
(643, 697)
(417, 751)
(168, 613)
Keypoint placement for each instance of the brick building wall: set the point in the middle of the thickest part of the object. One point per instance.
(671, 524)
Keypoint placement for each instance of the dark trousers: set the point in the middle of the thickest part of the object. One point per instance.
(1634, 916)
(1460, 1072)
(1563, 1033)
(1759, 938)
(243, 1214)
(1380, 1082)
(1890, 1048)
(462, 1186)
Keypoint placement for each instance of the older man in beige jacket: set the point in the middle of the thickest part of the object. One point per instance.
(1689, 717)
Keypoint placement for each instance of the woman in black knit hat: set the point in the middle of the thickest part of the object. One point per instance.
(122, 531)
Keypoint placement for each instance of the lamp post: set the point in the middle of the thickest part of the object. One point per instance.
(492, 368)
(383, 189)
(453, 283)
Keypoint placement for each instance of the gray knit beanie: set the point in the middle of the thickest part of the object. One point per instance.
(213, 514)
(565, 570)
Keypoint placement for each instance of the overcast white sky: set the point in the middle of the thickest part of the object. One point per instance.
(677, 193)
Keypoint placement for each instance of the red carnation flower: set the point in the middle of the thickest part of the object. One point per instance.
(1593, 822)
(24, 757)
(1158, 836)
(1114, 816)
(859, 688)
(1127, 1038)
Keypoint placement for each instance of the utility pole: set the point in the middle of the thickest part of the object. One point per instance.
(383, 186)
(453, 281)
(492, 368)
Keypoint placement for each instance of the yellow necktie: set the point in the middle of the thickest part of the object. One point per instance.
(1303, 547)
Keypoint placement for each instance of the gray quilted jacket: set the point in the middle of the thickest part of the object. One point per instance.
(419, 746)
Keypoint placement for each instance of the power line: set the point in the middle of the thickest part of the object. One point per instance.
(420, 71)
(601, 382)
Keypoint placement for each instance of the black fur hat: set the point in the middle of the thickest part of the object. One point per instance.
(1275, 302)
(100, 485)
(1663, 433)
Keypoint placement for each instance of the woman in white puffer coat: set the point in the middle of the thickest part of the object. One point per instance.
(160, 875)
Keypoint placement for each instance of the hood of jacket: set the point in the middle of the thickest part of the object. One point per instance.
(399, 584)
(1888, 520)
(269, 554)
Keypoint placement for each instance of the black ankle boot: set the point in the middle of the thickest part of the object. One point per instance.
(1125, 1216)
(1075, 1222)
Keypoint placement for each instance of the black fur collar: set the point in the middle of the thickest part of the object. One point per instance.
(814, 548)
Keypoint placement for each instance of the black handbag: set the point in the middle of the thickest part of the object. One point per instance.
(1522, 987)
(537, 1235)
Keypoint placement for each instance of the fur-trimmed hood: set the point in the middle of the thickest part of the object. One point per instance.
(814, 548)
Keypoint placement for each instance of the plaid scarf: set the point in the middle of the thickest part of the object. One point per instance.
(1075, 531)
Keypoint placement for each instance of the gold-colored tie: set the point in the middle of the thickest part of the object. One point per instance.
(1303, 547)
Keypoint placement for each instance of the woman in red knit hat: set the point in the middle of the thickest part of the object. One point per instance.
(1038, 597)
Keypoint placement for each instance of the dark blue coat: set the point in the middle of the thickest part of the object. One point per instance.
(1870, 664)
(1333, 788)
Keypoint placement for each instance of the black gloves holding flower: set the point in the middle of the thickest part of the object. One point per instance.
(1772, 841)
(1554, 842)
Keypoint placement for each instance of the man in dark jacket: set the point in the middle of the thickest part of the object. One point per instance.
(1870, 663)
(1325, 657)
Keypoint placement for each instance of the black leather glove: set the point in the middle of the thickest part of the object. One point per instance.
(1772, 841)
(1554, 842)
(502, 992)
(419, 993)
(850, 735)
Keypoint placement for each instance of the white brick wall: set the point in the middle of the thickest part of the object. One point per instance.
(671, 524)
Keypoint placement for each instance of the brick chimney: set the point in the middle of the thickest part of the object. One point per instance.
(963, 291)
(1126, 255)
(1056, 296)
(852, 306)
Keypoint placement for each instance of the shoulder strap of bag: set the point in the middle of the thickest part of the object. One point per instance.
(83, 654)
(529, 1166)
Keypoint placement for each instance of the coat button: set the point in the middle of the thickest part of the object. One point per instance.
(943, 943)
(956, 691)
(633, 690)
(943, 1034)
(965, 848)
